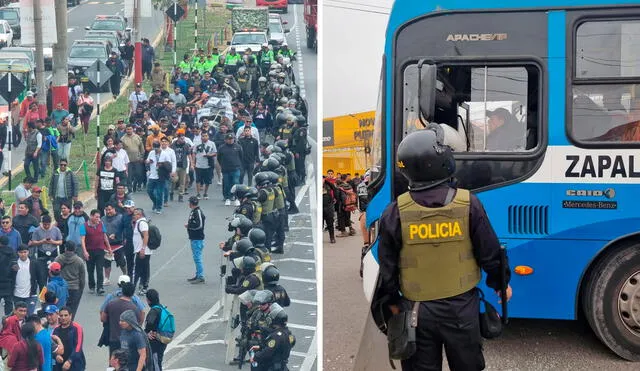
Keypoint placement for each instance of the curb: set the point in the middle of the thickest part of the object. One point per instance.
(123, 89)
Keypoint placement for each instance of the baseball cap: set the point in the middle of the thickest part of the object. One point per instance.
(50, 309)
(112, 127)
(78, 204)
(29, 94)
(138, 85)
(55, 267)
(229, 136)
(36, 189)
(129, 203)
(123, 279)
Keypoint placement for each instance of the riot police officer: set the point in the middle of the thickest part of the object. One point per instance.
(249, 205)
(240, 225)
(257, 238)
(273, 353)
(244, 247)
(280, 205)
(249, 278)
(266, 196)
(434, 239)
(270, 278)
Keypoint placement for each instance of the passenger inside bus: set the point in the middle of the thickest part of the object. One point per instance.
(506, 133)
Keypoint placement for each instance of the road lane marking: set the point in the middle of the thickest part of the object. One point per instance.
(301, 327)
(304, 302)
(301, 243)
(194, 326)
(70, 29)
(297, 279)
(297, 260)
(301, 194)
(204, 342)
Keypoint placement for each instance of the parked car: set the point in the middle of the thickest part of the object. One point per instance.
(47, 51)
(82, 54)
(11, 14)
(277, 32)
(6, 34)
(111, 23)
(111, 36)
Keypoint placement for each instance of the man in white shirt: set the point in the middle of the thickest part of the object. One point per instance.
(23, 190)
(26, 286)
(136, 97)
(156, 177)
(120, 161)
(142, 251)
(169, 184)
(247, 124)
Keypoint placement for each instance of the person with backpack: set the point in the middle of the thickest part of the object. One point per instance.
(49, 148)
(145, 240)
(348, 202)
(159, 326)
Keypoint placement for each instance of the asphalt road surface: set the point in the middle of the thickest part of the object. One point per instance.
(199, 341)
(79, 17)
(352, 342)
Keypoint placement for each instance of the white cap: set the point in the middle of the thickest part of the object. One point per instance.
(265, 45)
(124, 279)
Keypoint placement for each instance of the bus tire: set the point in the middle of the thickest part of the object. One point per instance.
(611, 301)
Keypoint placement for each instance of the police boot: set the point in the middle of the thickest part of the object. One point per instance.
(171, 196)
(278, 250)
(293, 209)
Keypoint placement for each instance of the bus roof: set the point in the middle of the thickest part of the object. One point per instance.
(406, 10)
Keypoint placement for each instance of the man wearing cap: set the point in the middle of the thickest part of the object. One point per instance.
(136, 97)
(505, 134)
(57, 284)
(63, 186)
(45, 241)
(182, 151)
(74, 272)
(35, 204)
(117, 293)
(77, 218)
(133, 144)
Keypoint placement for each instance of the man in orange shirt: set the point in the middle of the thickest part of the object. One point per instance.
(155, 137)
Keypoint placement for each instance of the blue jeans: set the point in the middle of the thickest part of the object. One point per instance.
(166, 189)
(229, 179)
(196, 249)
(155, 188)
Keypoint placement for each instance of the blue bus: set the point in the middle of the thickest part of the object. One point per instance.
(541, 101)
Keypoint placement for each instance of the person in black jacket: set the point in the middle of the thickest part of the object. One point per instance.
(8, 269)
(250, 155)
(230, 157)
(195, 229)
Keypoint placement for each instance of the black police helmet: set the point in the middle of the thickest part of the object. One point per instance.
(252, 193)
(257, 237)
(273, 177)
(270, 274)
(424, 159)
(301, 120)
(261, 179)
(240, 190)
(283, 144)
(248, 264)
(271, 164)
(243, 246)
(243, 223)
(280, 318)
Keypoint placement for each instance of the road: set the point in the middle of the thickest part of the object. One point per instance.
(352, 343)
(81, 16)
(198, 344)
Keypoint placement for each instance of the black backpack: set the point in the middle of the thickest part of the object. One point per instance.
(155, 238)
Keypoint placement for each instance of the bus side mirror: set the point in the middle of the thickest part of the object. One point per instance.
(427, 73)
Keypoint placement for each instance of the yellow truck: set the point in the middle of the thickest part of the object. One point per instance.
(346, 142)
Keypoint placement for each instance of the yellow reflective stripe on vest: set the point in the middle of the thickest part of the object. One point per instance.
(436, 258)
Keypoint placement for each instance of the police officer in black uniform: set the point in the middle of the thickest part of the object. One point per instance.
(249, 278)
(270, 216)
(244, 247)
(433, 242)
(270, 277)
(280, 205)
(240, 225)
(257, 238)
(273, 353)
(249, 205)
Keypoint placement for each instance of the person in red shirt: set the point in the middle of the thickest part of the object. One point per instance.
(31, 116)
(26, 354)
(10, 334)
(330, 177)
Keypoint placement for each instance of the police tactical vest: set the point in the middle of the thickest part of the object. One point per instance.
(436, 258)
(279, 201)
(257, 212)
(291, 166)
(267, 206)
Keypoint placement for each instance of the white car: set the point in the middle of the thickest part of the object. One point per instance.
(243, 40)
(6, 34)
(277, 31)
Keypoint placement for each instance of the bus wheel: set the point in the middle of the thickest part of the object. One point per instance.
(611, 302)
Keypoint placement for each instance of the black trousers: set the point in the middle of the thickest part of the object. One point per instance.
(129, 256)
(141, 271)
(114, 83)
(157, 352)
(95, 263)
(73, 301)
(459, 336)
(328, 218)
(301, 169)
(344, 219)
(270, 224)
(246, 169)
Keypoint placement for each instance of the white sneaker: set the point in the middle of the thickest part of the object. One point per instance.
(219, 182)
(236, 203)
(227, 203)
(106, 282)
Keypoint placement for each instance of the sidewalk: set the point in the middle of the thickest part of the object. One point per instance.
(345, 307)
